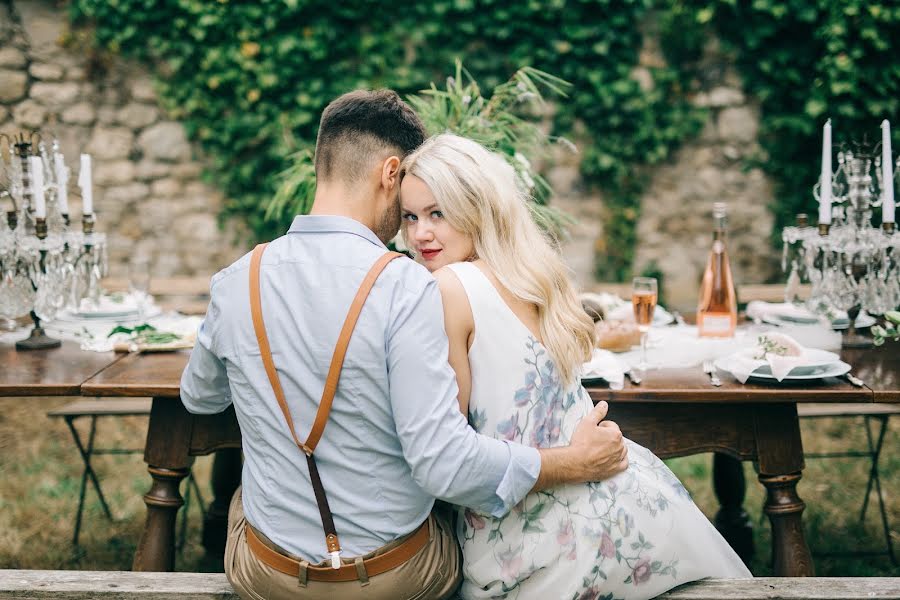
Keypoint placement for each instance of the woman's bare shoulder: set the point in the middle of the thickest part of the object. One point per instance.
(453, 294)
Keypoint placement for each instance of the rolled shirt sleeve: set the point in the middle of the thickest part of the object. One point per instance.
(448, 459)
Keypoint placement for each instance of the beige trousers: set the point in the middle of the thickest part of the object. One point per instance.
(432, 574)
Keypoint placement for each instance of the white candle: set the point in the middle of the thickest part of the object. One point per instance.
(62, 183)
(825, 177)
(887, 174)
(84, 182)
(37, 187)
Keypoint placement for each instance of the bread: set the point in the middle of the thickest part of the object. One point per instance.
(616, 336)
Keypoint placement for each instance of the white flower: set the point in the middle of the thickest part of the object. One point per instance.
(466, 99)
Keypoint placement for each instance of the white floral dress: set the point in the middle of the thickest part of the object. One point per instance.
(635, 535)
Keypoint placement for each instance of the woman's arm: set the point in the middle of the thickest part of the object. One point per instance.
(460, 325)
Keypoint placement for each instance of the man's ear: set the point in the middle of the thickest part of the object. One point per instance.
(390, 173)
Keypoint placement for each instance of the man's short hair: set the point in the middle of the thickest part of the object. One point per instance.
(359, 127)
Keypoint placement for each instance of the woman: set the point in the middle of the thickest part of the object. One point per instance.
(518, 338)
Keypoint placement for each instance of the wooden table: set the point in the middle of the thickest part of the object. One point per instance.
(673, 412)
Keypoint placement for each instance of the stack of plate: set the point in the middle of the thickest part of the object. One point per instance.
(815, 364)
(863, 320)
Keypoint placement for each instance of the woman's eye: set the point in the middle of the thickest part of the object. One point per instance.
(436, 214)
(409, 217)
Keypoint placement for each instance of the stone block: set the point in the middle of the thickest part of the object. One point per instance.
(111, 142)
(12, 58)
(166, 188)
(12, 85)
(55, 94)
(148, 170)
(116, 172)
(42, 23)
(197, 228)
(82, 113)
(76, 74)
(725, 96)
(4, 113)
(29, 114)
(142, 90)
(124, 195)
(137, 116)
(46, 71)
(107, 115)
(187, 170)
(738, 124)
(644, 78)
(165, 141)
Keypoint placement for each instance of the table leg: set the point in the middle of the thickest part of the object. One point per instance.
(790, 554)
(780, 468)
(732, 520)
(168, 460)
(226, 476)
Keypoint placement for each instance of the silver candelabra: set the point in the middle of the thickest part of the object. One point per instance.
(850, 263)
(45, 264)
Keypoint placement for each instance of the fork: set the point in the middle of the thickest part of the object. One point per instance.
(710, 369)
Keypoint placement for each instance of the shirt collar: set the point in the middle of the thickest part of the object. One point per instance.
(333, 224)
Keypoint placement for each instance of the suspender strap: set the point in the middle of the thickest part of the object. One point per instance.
(331, 382)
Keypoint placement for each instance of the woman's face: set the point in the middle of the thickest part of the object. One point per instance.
(433, 240)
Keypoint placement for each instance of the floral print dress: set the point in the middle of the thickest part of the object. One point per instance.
(635, 535)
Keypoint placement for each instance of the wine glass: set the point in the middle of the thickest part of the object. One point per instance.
(643, 300)
(139, 283)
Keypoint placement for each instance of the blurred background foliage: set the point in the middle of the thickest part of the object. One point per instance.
(249, 79)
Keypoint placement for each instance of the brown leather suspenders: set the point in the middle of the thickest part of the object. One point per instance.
(331, 382)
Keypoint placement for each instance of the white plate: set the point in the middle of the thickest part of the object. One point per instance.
(121, 317)
(863, 320)
(835, 369)
(815, 360)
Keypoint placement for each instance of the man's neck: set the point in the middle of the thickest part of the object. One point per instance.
(336, 199)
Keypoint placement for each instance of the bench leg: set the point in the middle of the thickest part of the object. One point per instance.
(732, 520)
(88, 472)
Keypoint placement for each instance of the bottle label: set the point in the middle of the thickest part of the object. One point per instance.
(715, 324)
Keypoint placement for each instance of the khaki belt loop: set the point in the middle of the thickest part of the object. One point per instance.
(361, 571)
(302, 574)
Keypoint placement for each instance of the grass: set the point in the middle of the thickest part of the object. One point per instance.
(40, 470)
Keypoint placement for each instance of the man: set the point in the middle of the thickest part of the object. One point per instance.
(395, 439)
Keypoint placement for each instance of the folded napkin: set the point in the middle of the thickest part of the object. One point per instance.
(605, 365)
(782, 353)
(758, 309)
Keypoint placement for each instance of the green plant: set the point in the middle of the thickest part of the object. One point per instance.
(890, 330)
(249, 80)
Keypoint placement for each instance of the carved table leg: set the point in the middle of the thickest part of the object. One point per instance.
(226, 476)
(790, 554)
(156, 549)
(732, 520)
(780, 467)
(166, 454)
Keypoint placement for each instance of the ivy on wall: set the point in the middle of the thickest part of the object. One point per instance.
(806, 61)
(249, 80)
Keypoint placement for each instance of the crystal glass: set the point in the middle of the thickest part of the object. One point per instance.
(139, 283)
(643, 300)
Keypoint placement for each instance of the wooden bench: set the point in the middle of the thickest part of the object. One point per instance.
(127, 585)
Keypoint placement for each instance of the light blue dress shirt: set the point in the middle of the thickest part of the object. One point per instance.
(395, 439)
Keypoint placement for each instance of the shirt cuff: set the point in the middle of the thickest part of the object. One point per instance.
(519, 479)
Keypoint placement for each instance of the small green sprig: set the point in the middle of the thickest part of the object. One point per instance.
(768, 346)
(891, 329)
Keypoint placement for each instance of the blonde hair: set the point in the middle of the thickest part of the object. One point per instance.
(480, 196)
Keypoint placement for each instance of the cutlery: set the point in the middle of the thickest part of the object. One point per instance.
(632, 377)
(854, 380)
(710, 369)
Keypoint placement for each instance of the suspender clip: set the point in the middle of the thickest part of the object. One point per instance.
(335, 559)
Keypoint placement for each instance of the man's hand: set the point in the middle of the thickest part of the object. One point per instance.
(595, 452)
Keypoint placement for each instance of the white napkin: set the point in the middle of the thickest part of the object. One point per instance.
(744, 362)
(757, 309)
(604, 364)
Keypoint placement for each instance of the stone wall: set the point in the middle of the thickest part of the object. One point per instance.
(148, 196)
(150, 199)
(675, 228)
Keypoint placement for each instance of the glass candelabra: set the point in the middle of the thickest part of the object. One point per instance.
(46, 265)
(850, 263)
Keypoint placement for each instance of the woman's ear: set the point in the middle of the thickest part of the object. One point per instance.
(390, 173)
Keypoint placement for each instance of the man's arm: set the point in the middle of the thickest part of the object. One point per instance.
(204, 382)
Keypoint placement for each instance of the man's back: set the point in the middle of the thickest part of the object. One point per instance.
(308, 280)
